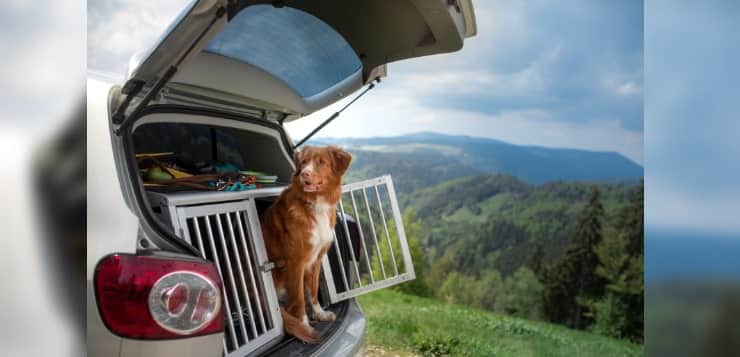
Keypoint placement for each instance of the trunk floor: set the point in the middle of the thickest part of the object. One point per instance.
(292, 347)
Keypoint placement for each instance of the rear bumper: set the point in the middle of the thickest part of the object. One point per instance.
(209, 345)
(347, 340)
(344, 337)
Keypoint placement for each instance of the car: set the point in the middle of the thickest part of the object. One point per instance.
(176, 265)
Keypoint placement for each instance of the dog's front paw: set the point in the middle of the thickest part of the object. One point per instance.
(319, 314)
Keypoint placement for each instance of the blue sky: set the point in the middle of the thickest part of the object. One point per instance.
(538, 73)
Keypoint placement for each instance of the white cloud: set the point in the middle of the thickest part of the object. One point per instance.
(129, 27)
(671, 208)
(44, 63)
(620, 83)
(505, 30)
(629, 88)
(394, 110)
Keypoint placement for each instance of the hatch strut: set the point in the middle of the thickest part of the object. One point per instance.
(133, 87)
(335, 115)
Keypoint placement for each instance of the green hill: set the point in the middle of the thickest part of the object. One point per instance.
(494, 221)
(399, 324)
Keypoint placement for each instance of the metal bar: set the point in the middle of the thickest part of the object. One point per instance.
(341, 264)
(234, 292)
(408, 264)
(366, 183)
(385, 226)
(333, 116)
(328, 278)
(362, 236)
(252, 277)
(349, 240)
(196, 227)
(378, 285)
(232, 331)
(260, 257)
(199, 240)
(243, 284)
(372, 229)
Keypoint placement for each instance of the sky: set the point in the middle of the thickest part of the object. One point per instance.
(538, 73)
(692, 122)
(549, 73)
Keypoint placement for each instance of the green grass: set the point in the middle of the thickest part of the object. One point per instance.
(400, 324)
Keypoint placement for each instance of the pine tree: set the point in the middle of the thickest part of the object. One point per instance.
(534, 262)
(632, 227)
(620, 312)
(631, 221)
(573, 283)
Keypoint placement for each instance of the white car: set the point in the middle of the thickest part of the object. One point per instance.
(182, 271)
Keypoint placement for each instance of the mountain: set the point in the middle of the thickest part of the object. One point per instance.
(443, 157)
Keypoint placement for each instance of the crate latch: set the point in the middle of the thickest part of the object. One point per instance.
(268, 266)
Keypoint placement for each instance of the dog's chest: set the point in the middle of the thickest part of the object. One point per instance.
(321, 235)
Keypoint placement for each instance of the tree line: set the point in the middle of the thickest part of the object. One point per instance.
(596, 283)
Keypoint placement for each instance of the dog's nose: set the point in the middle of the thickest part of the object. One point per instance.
(305, 174)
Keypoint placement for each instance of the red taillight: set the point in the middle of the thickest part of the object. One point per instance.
(158, 298)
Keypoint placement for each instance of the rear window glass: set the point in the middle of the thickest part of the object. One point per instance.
(290, 44)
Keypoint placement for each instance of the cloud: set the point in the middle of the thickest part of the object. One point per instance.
(672, 208)
(576, 62)
(629, 88)
(391, 106)
(118, 29)
(44, 62)
(692, 116)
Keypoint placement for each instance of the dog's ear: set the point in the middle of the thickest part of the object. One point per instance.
(341, 159)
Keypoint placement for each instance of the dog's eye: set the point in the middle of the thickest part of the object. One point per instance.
(322, 162)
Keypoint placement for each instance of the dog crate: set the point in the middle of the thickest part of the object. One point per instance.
(369, 251)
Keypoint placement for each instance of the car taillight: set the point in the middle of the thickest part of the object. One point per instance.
(150, 297)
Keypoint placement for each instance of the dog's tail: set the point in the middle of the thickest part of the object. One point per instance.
(295, 327)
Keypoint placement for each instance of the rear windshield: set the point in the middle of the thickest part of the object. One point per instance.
(290, 44)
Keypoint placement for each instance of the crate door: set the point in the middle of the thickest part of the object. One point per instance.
(228, 234)
(370, 250)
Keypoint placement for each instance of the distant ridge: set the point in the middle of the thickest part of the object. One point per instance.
(533, 164)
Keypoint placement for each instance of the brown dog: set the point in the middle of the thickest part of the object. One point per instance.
(297, 230)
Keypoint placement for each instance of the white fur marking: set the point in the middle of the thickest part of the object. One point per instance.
(319, 314)
(308, 168)
(321, 234)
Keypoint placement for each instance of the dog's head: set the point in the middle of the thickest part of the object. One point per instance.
(320, 169)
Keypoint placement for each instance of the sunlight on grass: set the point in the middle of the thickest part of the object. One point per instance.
(405, 325)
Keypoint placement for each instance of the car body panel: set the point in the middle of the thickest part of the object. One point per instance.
(111, 225)
(379, 32)
(200, 346)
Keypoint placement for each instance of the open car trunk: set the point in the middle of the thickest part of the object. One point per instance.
(369, 251)
(197, 127)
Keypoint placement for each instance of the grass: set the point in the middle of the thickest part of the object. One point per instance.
(404, 325)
